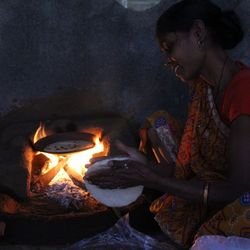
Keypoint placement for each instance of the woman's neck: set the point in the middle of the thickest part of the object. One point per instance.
(214, 66)
(218, 70)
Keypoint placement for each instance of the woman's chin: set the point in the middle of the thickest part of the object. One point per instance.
(187, 78)
(179, 73)
(181, 77)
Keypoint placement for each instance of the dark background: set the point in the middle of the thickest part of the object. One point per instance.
(62, 58)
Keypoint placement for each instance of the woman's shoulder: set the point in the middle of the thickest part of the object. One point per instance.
(243, 74)
(240, 81)
(236, 99)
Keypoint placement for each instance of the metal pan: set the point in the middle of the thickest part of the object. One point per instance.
(64, 143)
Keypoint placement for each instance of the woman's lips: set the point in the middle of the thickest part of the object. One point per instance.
(176, 68)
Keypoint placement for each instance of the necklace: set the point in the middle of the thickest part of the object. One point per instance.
(218, 87)
(215, 96)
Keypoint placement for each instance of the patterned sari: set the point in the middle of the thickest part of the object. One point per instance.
(201, 155)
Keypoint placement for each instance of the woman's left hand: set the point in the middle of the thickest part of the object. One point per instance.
(123, 174)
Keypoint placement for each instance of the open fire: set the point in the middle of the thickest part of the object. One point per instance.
(60, 176)
(44, 200)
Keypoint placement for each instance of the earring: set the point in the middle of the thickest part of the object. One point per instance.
(200, 44)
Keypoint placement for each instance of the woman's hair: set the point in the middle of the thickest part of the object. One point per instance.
(224, 26)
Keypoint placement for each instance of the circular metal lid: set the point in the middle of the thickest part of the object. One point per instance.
(64, 143)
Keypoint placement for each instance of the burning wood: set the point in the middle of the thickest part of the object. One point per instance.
(74, 176)
(62, 184)
(43, 180)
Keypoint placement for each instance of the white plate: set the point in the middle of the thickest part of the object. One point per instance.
(112, 197)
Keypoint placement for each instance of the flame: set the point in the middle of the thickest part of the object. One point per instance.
(53, 159)
(40, 133)
(76, 161)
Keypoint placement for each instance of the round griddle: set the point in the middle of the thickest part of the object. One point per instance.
(64, 143)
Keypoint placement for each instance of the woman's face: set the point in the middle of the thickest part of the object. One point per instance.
(183, 54)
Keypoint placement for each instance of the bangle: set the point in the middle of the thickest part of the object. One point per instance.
(205, 194)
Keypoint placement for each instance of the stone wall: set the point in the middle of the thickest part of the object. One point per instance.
(65, 58)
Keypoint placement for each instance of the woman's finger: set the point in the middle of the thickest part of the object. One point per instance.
(97, 173)
(96, 159)
(117, 176)
(88, 165)
(111, 183)
(122, 165)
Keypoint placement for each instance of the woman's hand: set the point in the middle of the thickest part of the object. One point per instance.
(123, 174)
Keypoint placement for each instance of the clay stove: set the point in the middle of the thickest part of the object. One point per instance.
(60, 162)
(51, 206)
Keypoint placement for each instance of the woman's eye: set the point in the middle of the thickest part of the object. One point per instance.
(170, 48)
(164, 47)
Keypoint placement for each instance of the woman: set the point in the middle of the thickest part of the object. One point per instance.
(206, 187)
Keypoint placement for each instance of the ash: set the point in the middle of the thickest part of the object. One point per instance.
(63, 191)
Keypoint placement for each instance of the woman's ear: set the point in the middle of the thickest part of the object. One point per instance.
(199, 32)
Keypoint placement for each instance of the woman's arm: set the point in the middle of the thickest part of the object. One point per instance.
(239, 161)
(238, 180)
(149, 175)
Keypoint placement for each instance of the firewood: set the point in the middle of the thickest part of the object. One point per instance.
(75, 177)
(42, 181)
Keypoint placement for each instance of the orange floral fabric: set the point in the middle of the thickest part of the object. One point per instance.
(234, 219)
(201, 155)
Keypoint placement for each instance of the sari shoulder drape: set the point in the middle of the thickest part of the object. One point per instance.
(201, 155)
(203, 146)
